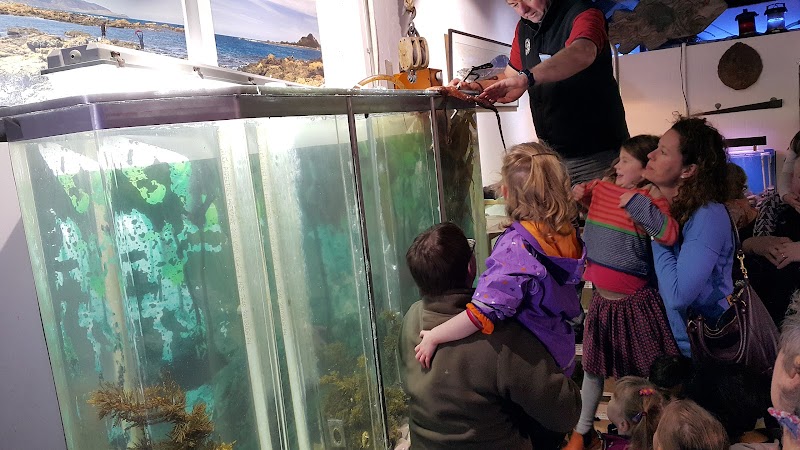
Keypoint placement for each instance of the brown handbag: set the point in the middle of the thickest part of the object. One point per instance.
(745, 334)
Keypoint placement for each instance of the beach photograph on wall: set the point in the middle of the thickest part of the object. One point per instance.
(274, 38)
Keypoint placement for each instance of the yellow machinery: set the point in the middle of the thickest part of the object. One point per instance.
(414, 58)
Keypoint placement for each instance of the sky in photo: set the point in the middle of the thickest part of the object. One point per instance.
(268, 20)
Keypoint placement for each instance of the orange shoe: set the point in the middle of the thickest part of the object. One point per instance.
(588, 441)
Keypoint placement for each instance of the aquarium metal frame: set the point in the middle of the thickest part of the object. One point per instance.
(125, 110)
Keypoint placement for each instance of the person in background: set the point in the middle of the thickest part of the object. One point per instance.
(672, 374)
(695, 273)
(561, 56)
(732, 393)
(635, 410)
(626, 327)
(774, 269)
(684, 425)
(738, 205)
(486, 391)
(785, 389)
(532, 273)
(788, 172)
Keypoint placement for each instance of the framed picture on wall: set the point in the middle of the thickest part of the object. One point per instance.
(471, 58)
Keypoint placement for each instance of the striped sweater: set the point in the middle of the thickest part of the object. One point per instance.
(619, 239)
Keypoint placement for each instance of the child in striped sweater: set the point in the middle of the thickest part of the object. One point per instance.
(626, 327)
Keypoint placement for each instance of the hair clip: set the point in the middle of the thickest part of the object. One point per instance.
(638, 417)
(646, 392)
(787, 420)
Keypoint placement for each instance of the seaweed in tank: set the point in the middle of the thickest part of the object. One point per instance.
(159, 404)
(346, 398)
(457, 144)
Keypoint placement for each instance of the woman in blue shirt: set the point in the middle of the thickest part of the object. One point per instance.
(689, 167)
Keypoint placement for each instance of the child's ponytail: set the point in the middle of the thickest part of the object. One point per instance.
(646, 421)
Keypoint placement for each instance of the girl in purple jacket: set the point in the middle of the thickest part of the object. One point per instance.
(535, 266)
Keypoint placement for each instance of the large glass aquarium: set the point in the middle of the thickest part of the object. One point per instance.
(226, 268)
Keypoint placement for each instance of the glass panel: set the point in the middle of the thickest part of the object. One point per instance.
(311, 231)
(188, 287)
(71, 245)
(401, 200)
(140, 270)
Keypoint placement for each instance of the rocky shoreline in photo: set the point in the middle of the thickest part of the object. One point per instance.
(289, 69)
(25, 50)
(19, 9)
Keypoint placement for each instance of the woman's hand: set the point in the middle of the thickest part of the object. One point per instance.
(789, 253)
(506, 90)
(768, 247)
(792, 200)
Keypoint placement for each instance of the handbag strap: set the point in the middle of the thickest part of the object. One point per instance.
(738, 246)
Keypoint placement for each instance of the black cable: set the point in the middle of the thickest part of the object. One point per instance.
(683, 90)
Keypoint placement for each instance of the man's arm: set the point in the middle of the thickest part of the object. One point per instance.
(528, 376)
(564, 64)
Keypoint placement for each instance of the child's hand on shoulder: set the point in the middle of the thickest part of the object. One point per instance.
(424, 350)
(578, 191)
(655, 192)
(625, 198)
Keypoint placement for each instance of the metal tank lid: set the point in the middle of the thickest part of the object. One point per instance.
(122, 110)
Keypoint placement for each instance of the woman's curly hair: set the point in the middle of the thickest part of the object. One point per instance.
(700, 144)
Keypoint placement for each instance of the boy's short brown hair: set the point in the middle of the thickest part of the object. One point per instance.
(439, 259)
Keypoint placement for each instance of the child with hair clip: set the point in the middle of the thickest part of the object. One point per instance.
(635, 410)
(536, 264)
(685, 425)
(626, 327)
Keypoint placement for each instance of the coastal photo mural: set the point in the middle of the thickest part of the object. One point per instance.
(275, 38)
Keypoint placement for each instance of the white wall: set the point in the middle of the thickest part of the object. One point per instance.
(344, 42)
(650, 83)
(29, 416)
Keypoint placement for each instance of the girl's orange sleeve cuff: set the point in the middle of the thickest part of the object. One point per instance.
(479, 319)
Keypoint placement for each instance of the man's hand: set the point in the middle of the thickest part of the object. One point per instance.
(425, 350)
(789, 253)
(466, 86)
(506, 90)
(792, 200)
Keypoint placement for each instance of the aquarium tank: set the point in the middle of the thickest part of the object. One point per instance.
(225, 269)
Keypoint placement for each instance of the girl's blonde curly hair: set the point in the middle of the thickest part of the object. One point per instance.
(539, 188)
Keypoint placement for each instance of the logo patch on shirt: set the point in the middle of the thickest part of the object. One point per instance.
(527, 46)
